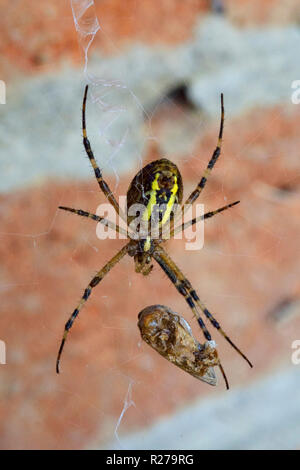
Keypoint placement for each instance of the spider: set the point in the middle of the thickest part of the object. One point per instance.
(158, 183)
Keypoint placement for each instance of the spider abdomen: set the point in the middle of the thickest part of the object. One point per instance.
(153, 193)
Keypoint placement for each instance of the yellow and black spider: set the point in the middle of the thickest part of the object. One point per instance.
(158, 184)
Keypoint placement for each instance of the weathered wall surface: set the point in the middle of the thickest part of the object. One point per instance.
(247, 273)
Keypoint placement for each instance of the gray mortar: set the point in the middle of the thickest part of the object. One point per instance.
(264, 415)
(40, 131)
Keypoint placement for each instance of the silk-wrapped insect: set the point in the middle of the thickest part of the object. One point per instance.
(171, 336)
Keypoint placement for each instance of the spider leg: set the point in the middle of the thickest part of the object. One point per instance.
(195, 194)
(180, 284)
(97, 218)
(103, 185)
(93, 283)
(207, 215)
(185, 288)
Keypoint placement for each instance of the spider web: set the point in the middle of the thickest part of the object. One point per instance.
(108, 93)
(122, 384)
(116, 119)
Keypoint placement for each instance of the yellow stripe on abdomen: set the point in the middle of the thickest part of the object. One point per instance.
(153, 201)
(171, 202)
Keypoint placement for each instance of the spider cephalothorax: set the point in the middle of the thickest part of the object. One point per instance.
(152, 198)
(142, 257)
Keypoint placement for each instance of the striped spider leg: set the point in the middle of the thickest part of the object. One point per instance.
(199, 188)
(185, 288)
(93, 283)
(97, 218)
(205, 216)
(103, 185)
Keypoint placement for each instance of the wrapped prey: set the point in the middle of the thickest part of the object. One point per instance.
(171, 336)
